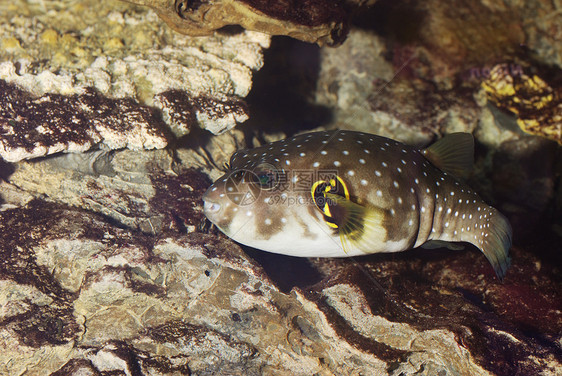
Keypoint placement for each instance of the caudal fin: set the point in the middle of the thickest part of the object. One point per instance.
(496, 242)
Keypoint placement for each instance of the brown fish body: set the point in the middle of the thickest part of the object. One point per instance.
(344, 193)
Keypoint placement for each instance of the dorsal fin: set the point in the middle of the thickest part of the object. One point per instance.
(453, 154)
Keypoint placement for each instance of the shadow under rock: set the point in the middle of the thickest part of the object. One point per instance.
(285, 271)
(6, 169)
(283, 91)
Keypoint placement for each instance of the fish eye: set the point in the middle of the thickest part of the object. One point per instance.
(266, 176)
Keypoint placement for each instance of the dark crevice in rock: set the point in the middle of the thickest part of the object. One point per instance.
(351, 336)
(77, 367)
(283, 91)
(304, 12)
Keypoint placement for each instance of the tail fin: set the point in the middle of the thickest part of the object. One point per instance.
(496, 242)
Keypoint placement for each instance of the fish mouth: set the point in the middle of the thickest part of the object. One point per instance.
(210, 206)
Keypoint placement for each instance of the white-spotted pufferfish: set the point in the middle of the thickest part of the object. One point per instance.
(346, 193)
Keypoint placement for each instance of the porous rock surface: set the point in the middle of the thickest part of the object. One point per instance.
(107, 265)
(61, 57)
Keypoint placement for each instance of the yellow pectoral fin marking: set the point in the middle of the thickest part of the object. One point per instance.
(326, 210)
(345, 190)
(333, 188)
(359, 226)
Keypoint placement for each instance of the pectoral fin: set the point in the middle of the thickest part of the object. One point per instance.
(358, 226)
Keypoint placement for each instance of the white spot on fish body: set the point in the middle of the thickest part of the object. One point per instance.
(384, 164)
(302, 154)
(283, 220)
(268, 221)
(315, 164)
(362, 161)
(345, 152)
(379, 193)
(378, 173)
(363, 182)
(351, 172)
(337, 163)
(395, 184)
(323, 152)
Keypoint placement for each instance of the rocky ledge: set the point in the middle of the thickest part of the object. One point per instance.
(108, 266)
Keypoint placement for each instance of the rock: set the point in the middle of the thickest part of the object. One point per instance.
(107, 265)
(84, 296)
(311, 20)
(35, 127)
(115, 56)
(537, 105)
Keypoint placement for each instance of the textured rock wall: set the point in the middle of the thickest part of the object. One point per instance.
(107, 265)
(79, 58)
